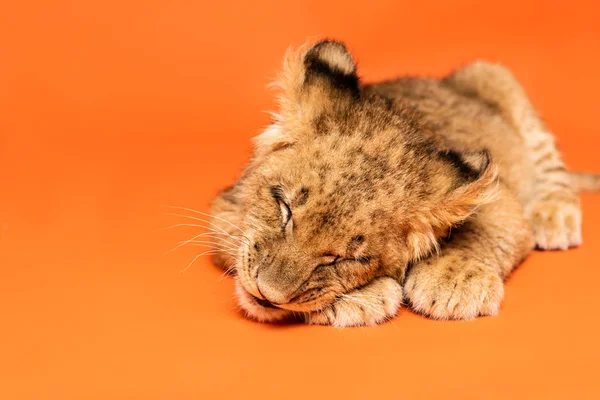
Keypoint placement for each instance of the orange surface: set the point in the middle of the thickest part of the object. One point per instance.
(109, 109)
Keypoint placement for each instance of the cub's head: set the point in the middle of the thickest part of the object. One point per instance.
(344, 187)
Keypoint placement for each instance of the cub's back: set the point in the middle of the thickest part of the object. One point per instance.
(466, 123)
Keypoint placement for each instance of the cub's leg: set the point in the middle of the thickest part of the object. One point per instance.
(372, 304)
(226, 235)
(555, 209)
(466, 279)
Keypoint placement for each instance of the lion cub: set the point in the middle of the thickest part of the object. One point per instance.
(360, 197)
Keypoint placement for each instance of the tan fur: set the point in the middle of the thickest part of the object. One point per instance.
(361, 196)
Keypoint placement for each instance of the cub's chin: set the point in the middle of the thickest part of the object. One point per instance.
(258, 312)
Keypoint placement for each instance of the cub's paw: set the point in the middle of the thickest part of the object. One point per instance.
(557, 223)
(370, 305)
(454, 291)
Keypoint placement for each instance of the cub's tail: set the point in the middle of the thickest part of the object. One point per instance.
(585, 182)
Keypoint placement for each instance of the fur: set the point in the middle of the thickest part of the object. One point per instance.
(361, 197)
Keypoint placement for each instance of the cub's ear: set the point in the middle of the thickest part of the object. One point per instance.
(473, 183)
(466, 182)
(313, 80)
(468, 165)
(317, 78)
(329, 64)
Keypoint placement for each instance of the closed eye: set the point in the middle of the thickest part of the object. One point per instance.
(332, 260)
(286, 213)
(328, 259)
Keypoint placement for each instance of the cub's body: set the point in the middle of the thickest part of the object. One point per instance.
(362, 197)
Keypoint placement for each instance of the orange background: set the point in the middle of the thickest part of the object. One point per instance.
(110, 109)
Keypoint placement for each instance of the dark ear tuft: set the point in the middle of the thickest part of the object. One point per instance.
(334, 55)
(473, 182)
(470, 166)
(314, 80)
(331, 60)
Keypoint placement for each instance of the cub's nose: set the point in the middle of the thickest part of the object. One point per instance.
(277, 285)
(264, 303)
(271, 294)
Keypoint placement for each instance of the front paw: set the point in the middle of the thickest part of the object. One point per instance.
(370, 305)
(454, 291)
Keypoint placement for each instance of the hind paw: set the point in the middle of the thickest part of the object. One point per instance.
(556, 224)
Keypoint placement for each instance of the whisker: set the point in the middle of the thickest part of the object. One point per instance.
(195, 258)
(217, 234)
(224, 245)
(218, 251)
(211, 230)
(183, 243)
(205, 221)
(207, 215)
(221, 249)
(228, 271)
(195, 225)
(233, 246)
(198, 219)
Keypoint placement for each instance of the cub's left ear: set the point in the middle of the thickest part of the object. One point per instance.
(474, 183)
(465, 182)
(313, 80)
(323, 77)
(328, 64)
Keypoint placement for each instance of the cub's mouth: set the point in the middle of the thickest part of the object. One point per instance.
(289, 306)
(263, 302)
(303, 307)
